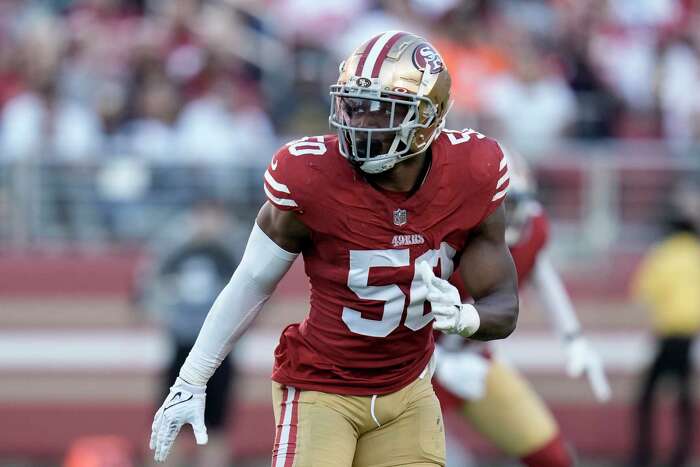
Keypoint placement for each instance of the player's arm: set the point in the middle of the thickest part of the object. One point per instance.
(557, 304)
(274, 243)
(489, 276)
(555, 299)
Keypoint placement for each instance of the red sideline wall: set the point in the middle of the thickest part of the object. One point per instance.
(46, 429)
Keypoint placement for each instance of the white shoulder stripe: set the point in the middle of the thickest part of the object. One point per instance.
(504, 162)
(374, 52)
(280, 201)
(499, 194)
(277, 186)
(503, 179)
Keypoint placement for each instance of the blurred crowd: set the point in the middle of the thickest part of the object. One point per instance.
(202, 82)
(216, 80)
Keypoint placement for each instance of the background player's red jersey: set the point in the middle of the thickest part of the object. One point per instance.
(368, 330)
(532, 241)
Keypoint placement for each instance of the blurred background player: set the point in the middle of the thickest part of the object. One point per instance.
(494, 398)
(192, 259)
(667, 284)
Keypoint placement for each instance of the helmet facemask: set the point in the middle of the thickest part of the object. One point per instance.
(394, 117)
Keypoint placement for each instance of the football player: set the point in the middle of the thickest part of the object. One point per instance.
(390, 190)
(493, 397)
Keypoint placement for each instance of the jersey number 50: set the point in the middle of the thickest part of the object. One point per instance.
(361, 261)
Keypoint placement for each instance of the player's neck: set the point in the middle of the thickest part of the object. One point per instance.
(403, 177)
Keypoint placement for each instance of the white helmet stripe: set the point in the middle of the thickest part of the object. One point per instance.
(374, 52)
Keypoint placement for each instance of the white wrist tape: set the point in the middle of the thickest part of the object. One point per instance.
(263, 265)
(469, 320)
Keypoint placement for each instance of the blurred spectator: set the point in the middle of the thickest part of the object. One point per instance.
(11, 82)
(151, 135)
(40, 124)
(533, 108)
(367, 22)
(667, 283)
(178, 85)
(222, 126)
(473, 61)
(189, 269)
(679, 93)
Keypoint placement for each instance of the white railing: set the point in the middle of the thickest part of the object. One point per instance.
(610, 195)
(113, 201)
(600, 196)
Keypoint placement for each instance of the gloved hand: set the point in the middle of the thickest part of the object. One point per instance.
(184, 404)
(582, 358)
(451, 315)
(463, 373)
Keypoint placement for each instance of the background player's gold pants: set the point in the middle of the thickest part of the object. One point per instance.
(511, 414)
(404, 428)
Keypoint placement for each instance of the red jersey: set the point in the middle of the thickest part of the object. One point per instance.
(368, 330)
(531, 242)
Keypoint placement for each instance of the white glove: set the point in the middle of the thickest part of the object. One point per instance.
(462, 373)
(184, 404)
(451, 315)
(582, 358)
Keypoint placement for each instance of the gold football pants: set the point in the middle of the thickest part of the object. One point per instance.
(511, 415)
(317, 429)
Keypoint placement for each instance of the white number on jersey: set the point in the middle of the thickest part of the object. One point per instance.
(394, 299)
(307, 146)
(459, 137)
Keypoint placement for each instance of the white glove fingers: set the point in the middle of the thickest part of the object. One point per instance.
(441, 284)
(442, 324)
(599, 383)
(166, 438)
(426, 272)
(185, 404)
(574, 367)
(160, 444)
(200, 429)
(200, 433)
(154, 430)
(435, 296)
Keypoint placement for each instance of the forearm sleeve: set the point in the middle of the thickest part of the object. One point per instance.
(555, 299)
(263, 265)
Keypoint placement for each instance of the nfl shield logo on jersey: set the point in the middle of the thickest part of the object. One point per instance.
(400, 217)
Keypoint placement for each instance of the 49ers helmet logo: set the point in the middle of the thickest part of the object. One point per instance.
(364, 82)
(425, 55)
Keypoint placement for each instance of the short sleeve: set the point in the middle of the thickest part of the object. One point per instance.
(531, 243)
(497, 177)
(281, 181)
